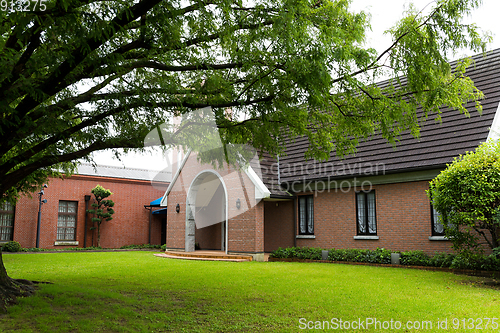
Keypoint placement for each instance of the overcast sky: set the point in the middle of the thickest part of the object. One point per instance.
(385, 13)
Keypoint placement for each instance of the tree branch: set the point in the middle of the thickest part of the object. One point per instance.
(241, 26)
(67, 133)
(52, 84)
(12, 178)
(170, 68)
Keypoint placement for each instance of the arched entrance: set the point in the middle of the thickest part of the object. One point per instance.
(206, 215)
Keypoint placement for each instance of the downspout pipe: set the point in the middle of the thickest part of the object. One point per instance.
(87, 200)
(279, 172)
(295, 222)
(150, 214)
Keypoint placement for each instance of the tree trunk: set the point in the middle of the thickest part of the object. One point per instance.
(11, 289)
(98, 234)
(494, 237)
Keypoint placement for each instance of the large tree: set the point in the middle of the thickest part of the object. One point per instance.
(77, 76)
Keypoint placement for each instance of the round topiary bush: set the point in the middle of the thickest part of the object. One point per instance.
(12, 246)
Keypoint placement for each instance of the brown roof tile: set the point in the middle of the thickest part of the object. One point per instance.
(438, 144)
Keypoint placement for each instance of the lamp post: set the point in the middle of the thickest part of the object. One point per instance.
(87, 200)
(40, 202)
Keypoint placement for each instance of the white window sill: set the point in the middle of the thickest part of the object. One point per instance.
(438, 238)
(305, 237)
(366, 237)
(63, 243)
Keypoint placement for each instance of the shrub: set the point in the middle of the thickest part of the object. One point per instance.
(12, 246)
(383, 256)
(415, 258)
(441, 259)
(496, 252)
(461, 262)
(311, 253)
(164, 247)
(33, 249)
(476, 262)
(141, 246)
(378, 256)
(89, 248)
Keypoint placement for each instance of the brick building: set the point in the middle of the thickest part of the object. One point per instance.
(375, 198)
(65, 223)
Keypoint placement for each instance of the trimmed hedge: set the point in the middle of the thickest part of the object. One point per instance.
(141, 246)
(13, 246)
(383, 256)
(378, 256)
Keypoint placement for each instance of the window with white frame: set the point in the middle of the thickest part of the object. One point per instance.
(306, 215)
(66, 221)
(366, 214)
(6, 222)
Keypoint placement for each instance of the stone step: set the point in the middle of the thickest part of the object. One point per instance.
(205, 255)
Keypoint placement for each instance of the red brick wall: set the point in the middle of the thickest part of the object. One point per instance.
(176, 222)
(209, 238)
(403, 217)
(279, 229)
(403, 220)
(130, 224)
(245, 226)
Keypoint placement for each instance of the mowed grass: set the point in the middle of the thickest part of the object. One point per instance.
(135, 291)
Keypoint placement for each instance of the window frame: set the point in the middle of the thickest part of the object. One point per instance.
(75, 214)
(12, 212)
(365, 222)
(308, 198)
(433, 222)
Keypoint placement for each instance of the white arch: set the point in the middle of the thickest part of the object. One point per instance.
(193, 190)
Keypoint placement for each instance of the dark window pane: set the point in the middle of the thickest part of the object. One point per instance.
(306, 215)
(310, 224)
(366, 213)
(437, 226)
(302, 214)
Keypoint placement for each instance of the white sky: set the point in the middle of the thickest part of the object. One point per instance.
(385, 13)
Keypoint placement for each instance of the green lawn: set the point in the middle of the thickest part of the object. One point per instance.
(136, 291)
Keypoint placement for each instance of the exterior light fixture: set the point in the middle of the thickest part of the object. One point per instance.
(178, 208)
(238, 203)
(40, 203)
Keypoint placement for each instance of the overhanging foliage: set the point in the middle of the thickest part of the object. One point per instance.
(80, 76)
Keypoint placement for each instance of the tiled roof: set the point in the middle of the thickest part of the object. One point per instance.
(438, 144)
(124, 173)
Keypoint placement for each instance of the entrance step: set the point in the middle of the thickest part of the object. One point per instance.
(205, 255)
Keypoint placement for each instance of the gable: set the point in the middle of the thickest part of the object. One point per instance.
(261, 190)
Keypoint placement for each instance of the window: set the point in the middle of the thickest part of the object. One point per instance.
(306, 215)
(6, 222)
(366, 213)
(437, 226)
(66, 221)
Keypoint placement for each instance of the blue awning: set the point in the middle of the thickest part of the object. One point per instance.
(160, 211)
(156, 203)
